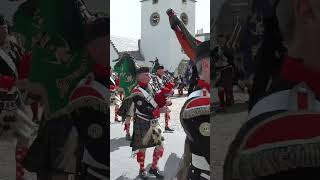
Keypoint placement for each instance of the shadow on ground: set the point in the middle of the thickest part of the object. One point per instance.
(234, 109)
(237, 108)
(115, 144)
(169, 172)
(123, 178)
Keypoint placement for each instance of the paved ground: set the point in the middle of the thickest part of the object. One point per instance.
(224, 128)
(124, 167)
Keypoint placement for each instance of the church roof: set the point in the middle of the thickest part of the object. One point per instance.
(126, 45)
(135, 54)
(123, 44)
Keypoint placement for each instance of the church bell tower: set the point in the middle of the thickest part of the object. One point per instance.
(158, 40)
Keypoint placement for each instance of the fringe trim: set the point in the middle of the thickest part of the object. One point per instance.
(267, 162)
(195, 112)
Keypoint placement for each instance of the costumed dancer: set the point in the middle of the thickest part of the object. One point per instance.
(280, 140)
(114, 89)
(161, 83)
(224, 83)
(126, 111)
(126, 70)
(195, 117)
(16, 126)
(146, 129)
(181, 86)
(127, 122)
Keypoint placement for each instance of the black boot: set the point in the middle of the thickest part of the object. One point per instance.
(116, 120)
(168, 129)
(128, 137)
(156, 173)
(143, 174)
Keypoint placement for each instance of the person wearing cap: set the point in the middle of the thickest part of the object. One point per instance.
(159, 81)
(195, 118)
(91, 121)
(79, 147)
(114, 89)
(160, 84)
(146, 128)
(224, 83)
(16, 139)
(280, 140)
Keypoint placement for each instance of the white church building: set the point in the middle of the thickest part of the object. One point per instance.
(158, 40)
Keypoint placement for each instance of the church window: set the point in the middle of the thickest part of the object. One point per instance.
(154, 1)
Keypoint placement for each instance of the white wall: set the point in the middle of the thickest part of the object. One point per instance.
(160, 41)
